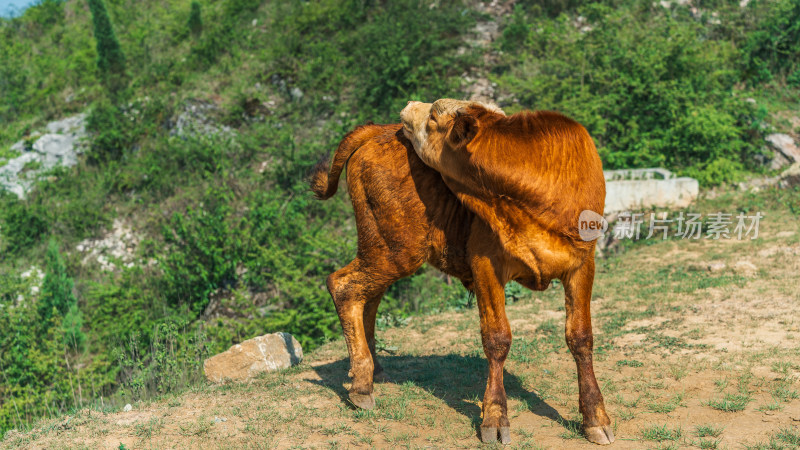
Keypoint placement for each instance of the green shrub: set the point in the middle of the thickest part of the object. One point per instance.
(773, 47)
(24, 223)
(661, 95)
(206, 249)
(58, 299)
(195, 20)
(111, 132)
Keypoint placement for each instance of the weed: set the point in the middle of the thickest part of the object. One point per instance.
(147, 429)
(784, 393)
(708, 431)
(661, 433)
(630, 363)
(730, 402)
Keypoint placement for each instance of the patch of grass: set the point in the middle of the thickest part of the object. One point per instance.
(661, 433)
(572, 429)
(789, 435)
(629, 363)
(785, 439)
(708, 431)
(668, 406)
(670, 343)
(678, 372)
(148, 429)
(708, 443)
(784, 393)
(783, 367)
(730, 402)
(773, 406)
(199, 428)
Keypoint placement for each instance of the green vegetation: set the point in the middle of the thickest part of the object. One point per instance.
(230, 243)
(110, 60)
(195, 20)
(730, 402)
(661, 433)
(654, 86)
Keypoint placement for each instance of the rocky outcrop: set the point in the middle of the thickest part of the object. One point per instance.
(785, 151)
(60, 146)
(261, 354)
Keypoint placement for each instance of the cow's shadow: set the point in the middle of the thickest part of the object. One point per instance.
(457, 380)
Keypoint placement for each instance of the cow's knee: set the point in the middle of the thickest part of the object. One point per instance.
(580, 343)
(339, 286)
(497, 343)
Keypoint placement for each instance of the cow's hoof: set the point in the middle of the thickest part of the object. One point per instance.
(489, 435)
(600, 435)
(363, 401)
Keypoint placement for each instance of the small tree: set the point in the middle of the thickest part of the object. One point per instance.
(195, 20)
(110, 59)
(57, 297)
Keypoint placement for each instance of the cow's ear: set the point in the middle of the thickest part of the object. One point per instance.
(464, 129)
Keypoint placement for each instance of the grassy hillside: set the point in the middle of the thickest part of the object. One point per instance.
(230, 244)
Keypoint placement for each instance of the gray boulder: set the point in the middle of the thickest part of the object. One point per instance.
(784, 148)
(252, 357)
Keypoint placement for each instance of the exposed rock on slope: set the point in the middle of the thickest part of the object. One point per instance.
(60, 146)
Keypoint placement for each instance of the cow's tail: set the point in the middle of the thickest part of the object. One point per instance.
(325, 175)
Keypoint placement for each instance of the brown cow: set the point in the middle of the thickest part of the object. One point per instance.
(529, 177)
(405, 216)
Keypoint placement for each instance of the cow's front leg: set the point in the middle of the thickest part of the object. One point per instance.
(496, 336)
(578, 289)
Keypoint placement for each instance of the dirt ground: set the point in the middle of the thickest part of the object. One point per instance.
(686, 357)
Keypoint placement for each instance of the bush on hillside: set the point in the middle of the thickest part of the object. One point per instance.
(23, 224)
(662, 95)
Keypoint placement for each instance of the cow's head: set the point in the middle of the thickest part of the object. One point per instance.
(444, 125)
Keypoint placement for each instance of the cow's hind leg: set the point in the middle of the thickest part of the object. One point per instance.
(578, 289)
(370, 315)
(496, 337)
(356, 290)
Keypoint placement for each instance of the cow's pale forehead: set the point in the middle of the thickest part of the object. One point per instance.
(450, 106)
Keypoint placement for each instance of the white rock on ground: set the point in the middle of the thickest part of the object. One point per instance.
(59, 147)
(261, 354)
(117, 245)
